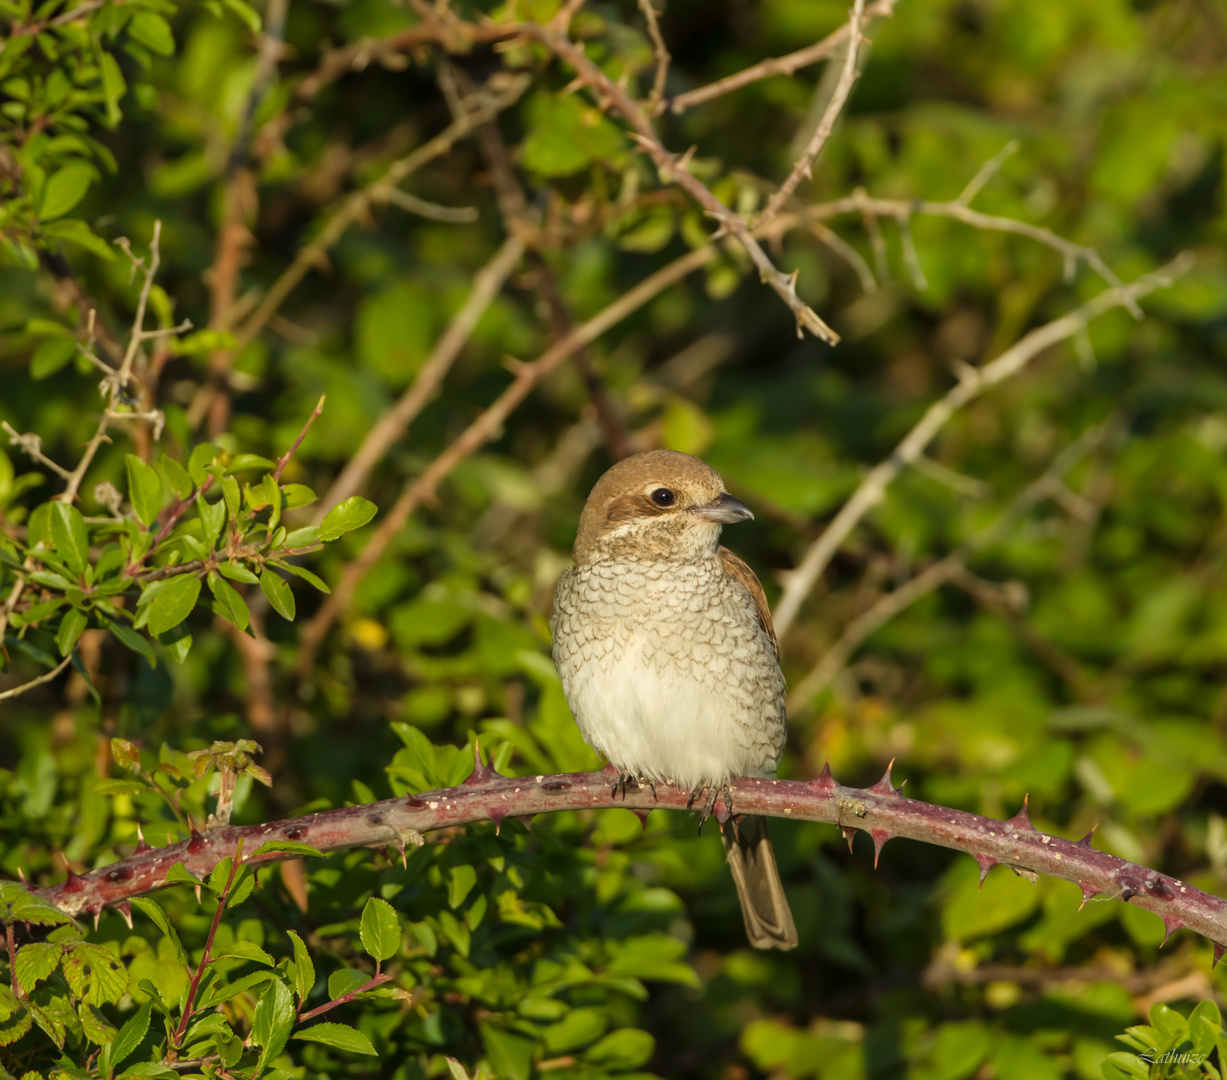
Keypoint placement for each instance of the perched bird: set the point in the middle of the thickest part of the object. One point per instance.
(668, 658)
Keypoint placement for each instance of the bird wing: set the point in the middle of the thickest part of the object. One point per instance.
(744, 576)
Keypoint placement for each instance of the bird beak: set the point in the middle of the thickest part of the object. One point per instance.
(725, 510)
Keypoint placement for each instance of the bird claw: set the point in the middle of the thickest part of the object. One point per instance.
(709, 803)
(620, 785)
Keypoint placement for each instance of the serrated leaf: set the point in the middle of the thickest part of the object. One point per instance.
(180, 873)
(144, 489)
(174, 603)
(36, 962)
(245, 950)
(304, 969)
(273, 1020)
(380, 929)
(94, 973)
(291, 847)
(279, 594)
(230, 604)
(153, 911)
(69, 535)
(71, 625)
(346, 516)
(130, 1035)
(339, 1037)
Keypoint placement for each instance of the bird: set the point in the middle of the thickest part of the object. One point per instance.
(668, 659)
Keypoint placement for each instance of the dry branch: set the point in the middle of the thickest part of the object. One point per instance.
(880, 810)
(972, 383)
(780, 65)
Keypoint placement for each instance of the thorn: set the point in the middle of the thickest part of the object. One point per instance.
(682, 164)
(413, 802)
(141, 844)
(722, 813)
(880, 836)
(481, 774)
(196, 842)
(97, 917)
(497, 817)
(1169, 926)
(1086, 840)
(884, 786)
(1089, 892)
(196, 889)
(526, 821)
(824, 781)
(1022, 820)
(74, 882)
(642, 815)
(1218, 954)
(849, 834)
(21, 875)
(125, 909)
(987, 862)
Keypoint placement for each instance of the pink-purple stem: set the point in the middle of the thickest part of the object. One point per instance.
(487, 796)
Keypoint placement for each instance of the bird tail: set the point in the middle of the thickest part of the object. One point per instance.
(764, 907)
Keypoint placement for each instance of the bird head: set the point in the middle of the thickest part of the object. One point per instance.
(658, 505)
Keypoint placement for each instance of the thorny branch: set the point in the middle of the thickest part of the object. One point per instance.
(880, 810)
(972, 383)
(803, 166)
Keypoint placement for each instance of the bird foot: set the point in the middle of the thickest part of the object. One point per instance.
(630, 779)
(709, 802)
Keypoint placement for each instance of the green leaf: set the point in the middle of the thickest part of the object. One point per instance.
(18, 905)
(229, 603)
(37, 961)
(71, 625)
(201, 458)
(291, 847)
(460, 883)
(178, 477)
(237, 572)
(113, 86)
(245, 950)
(212, 519)
(144, 489)
(279, 594)
(153, 911)
(304, 969)
(50, 357)
(297, 495)
(94, 973)
(153, 32)
(180, 873)
(304, 537)
(130, 1035)
(242, 462)
(339, 1037)
(65, 188)
(510, 1055)
(351, 514)
(305, 574)
(69, 535)
(380, 929)
(620, 1050)
(273, 1020)
(174, 603)
(132, 640)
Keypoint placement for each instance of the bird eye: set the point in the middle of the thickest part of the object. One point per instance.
(663, 497)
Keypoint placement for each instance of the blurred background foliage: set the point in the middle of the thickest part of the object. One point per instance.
(1078, 656)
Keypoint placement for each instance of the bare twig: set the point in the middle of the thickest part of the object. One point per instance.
(673, 169)
(859, 202)
(878, 810)
(781, 65)
(972, 384)
(355, 207)
(32, 445)
(46, 677)
(946, 570)
(481, 431)
(459, 215)
(986, 172)
(656, 98)
(804, 164)
(284, 460)
(487, 284)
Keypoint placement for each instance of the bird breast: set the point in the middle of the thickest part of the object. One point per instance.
(667, 670)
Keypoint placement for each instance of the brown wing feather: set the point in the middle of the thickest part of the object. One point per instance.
(741, 573)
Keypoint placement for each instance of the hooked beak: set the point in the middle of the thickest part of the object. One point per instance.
(725, 510)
